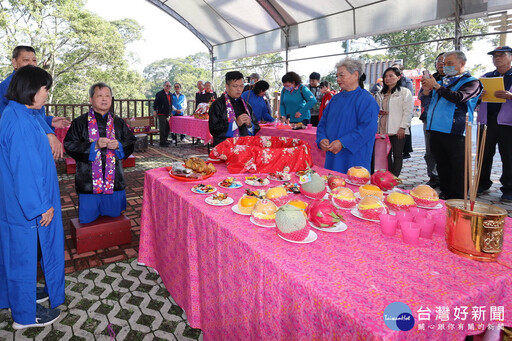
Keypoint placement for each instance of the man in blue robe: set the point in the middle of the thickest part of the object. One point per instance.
(349, 122)
(30, 212)
(22, 56)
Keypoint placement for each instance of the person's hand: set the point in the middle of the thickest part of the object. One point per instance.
(46, 217)
(335, 147)
(324, 145)
(113, 144)
(56, 146)
(297, 115)
(428, 82)
(178, 111)
(483, 93)
(503, 94)
(102, 142)
(400, 133)
(60, 122)
(383, 113)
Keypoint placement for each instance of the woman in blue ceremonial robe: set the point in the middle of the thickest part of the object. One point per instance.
(349, 122)
(30, 212)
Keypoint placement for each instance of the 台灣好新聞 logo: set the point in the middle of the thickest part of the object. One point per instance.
(398, 316)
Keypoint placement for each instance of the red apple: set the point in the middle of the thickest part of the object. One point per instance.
(336, 181)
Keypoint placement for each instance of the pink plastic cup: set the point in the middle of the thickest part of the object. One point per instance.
(388, 224)
(410, 232)
(440, 224)
(403, 216)
(310, 126)
(417, 212)
(427, 227)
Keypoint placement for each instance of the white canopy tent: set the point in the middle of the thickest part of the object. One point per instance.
(233, 29)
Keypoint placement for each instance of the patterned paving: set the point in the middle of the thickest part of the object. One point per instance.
(107, 293)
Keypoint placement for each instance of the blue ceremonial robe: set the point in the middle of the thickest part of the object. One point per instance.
(351, 117)
(28, 188)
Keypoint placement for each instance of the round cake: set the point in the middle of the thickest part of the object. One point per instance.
(278, 195)
(370, 207)
(358, 175)
(315, 188)
(425, 196)
(365, 190)
(298, 203)
(343, 197)
(399, 201)
(264, 212)
(246, 203)
(291, 223)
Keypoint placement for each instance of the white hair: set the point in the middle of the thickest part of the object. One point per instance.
(352, 65)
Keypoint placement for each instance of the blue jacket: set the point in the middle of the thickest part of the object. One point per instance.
(260, 109)
(449, 117)
(300, 100)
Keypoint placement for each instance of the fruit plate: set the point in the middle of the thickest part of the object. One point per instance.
(355, 212)
(235, 184)
(354, 184)
(198, 191)
(260, 225)
(257, 183)
(436, 207)
(235, 209)
(339, 227)
(312, 236)
(286, 177)
(210, 201)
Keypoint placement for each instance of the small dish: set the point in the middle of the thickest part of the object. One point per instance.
(312, 236)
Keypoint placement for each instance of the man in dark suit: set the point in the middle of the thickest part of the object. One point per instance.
(162, 110)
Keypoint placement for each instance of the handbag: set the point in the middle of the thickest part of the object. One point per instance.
(381, 151)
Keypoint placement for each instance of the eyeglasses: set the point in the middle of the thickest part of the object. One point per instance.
(176, 87)
(167, 86)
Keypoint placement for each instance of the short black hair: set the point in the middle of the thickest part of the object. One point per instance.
(291, 77)
(26, 82)
(260, 86)
(99, 85)
(326, 84)
(21, 48)
(233, 76)
(314, 75)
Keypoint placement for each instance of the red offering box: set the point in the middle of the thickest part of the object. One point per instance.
(102, 233)
(129, 162)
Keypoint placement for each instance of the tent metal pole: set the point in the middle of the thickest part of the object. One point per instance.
(458, 31)
(213, 66)
(287, 46)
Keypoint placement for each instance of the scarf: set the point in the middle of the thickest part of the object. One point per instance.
(231, 112)
(449, 80)
(100, 183)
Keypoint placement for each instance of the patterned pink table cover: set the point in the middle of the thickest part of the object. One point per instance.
(239, 281)
(308, 135)
(188, 125)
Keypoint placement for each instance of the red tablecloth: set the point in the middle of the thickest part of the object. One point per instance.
(191, 126)
(61, 133)
(237, 280)
(308, 135)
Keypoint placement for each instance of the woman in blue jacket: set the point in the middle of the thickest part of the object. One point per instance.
(296, 100)
(256, 98)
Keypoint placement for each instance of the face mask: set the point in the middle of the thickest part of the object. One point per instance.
(288, 88)
(252, 81)
(450, 70)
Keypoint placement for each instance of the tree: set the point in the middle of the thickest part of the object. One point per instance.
(75, 46)
(423, 55)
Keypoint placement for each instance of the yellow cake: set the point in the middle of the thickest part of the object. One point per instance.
(425, 196)
(278, 195)
(264, 212)
(358, 175)
(246, 204)
(365, 190)
(343, 197)
(399, 201)
(370, 207)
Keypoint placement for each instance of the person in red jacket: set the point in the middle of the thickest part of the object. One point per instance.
(325, 89)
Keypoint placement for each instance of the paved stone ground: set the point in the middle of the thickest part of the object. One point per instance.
(107, 290)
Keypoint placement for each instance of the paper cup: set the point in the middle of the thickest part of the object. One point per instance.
(403, 216)
(427, 227)
(388, 224)
(440, 224)
(417, 212)
(410, 232)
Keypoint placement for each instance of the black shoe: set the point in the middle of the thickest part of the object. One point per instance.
(481, 191)
(443, 196)
(165, 144)
(44, 317)
(41, 296)
(506, 198)
(406, 156)
(433, 182)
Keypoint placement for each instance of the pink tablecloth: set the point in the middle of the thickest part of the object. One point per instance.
(191, 126)
(308, 135)
(61, 133)
(237, 280)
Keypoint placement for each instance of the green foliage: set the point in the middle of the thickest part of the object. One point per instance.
(75, 46)
(423, 55)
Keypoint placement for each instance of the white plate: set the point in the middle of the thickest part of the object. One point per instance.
(353, 183)
(339, 227)
(213, 160)
(355, 213)
(276, 179)
(236, 184)
(326, 196)
(255, 223)
(436, 207)
(312, 236)
(225, 202)
(257, 184)
(235, 209)
(197, 192)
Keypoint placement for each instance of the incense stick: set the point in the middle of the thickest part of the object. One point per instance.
(480, 161)
(466, 166)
